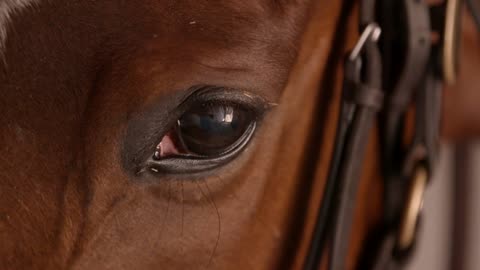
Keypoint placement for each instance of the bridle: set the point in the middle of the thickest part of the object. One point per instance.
(395, 68)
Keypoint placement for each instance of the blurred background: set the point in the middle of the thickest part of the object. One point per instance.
(449, 237)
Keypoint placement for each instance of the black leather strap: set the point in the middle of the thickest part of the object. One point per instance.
(367, 100)
(369, 76)
(366, 96)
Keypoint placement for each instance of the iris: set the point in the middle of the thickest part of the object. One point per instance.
(211, 129)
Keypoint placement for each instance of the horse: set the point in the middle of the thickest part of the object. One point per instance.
(103, 164)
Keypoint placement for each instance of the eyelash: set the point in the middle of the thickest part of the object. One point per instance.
(218, 96)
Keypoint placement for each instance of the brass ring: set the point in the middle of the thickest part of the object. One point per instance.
(451, 41)
(413, 207)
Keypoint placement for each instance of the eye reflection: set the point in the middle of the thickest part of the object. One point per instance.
(206, 130)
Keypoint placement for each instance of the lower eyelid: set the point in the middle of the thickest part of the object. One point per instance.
(191, 164)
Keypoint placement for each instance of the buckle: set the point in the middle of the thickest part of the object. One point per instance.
(411, 213)
(353, 62)
(451, 41)
(371, 33)
(446, 19)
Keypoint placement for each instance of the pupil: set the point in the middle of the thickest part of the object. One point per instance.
(212, 129)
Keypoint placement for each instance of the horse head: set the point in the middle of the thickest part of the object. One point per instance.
(177, 134)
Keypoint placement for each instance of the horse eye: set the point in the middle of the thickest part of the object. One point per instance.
(212, 129)
(208, 130)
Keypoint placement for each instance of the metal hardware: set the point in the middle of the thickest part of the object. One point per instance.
(372, 31)
(451, 37)
(413, 207)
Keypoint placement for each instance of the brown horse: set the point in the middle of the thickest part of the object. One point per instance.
(94, 95)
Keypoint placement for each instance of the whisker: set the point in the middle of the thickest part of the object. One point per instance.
(183, 206)
(209, 200)
(219, 224)
(168, 203)
(166, 213)
(201, 190)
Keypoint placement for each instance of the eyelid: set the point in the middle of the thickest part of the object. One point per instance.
(146, 128)
(230, 96)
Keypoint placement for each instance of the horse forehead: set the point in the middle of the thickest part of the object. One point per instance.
(232, 34)
(225, 23)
